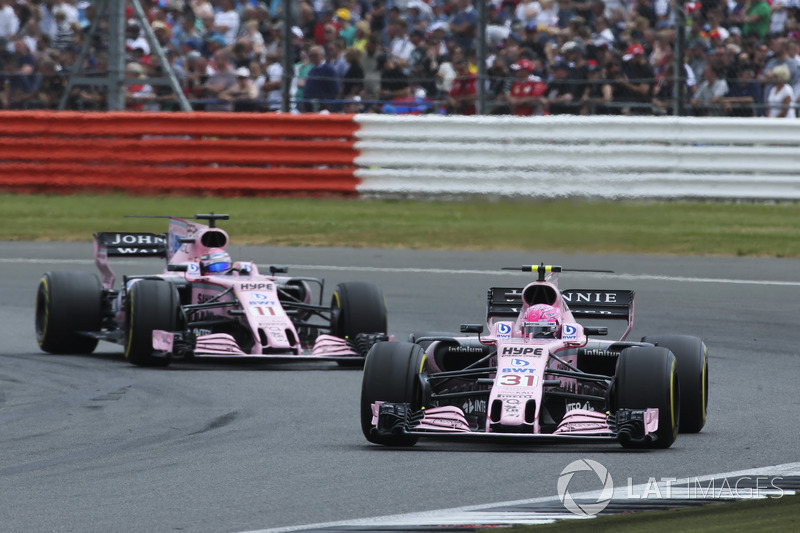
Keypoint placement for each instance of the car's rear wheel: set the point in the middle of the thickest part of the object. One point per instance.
(68, 304)
(152, 304)
(391, 374)
(647, 377)
(358, 307)
(692, 356)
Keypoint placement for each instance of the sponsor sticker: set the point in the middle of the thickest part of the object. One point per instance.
(569, 333)
(503, 330)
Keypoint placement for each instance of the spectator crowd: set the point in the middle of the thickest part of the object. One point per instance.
(742, 57)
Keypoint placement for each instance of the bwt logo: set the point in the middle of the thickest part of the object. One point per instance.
(503, 329)
(585, 509)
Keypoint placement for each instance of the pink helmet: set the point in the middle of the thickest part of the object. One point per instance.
(542, 320)
(215, 261)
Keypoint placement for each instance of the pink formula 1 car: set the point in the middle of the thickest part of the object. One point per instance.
(537, 375)
(203, 305)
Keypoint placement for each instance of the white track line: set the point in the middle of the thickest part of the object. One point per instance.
(445, 271)
(483, 514)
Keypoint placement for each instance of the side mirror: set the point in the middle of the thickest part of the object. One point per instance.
(471, 328)
(600, 331)
(177, 268)
(278, 269)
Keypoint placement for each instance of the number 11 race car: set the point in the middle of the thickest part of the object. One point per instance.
(203, 305)
(537, 375)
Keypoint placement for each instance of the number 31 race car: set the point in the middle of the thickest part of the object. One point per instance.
(537, 375)
(203, 305)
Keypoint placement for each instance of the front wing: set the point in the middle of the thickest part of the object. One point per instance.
(630, 425)
(223, 345)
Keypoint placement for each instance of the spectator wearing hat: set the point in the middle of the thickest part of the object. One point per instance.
(781, 96)
(560, 99)
(637, 80)
(526, 97)
(162, 32)
(574, 53)
(322, 84)
(598, 92)
(463, 93)
(139, 96)
(697, 53)
(243, 94)
(347, 30)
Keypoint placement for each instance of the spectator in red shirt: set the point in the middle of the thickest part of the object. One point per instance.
(527, 93)
(462, 95)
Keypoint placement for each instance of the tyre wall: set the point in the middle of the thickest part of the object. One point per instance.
(189, 153)
(384, 155)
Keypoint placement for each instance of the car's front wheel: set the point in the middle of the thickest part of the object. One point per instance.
(647, 377)
(152, 304)
(391, 374)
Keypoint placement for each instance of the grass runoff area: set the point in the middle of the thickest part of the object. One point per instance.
(769, 514)
(682, 228)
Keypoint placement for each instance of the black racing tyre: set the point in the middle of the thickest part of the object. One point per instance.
(151, 304)
(647, 377)
(692, 356)
(68, 303)
(391, 373)
(357, 307)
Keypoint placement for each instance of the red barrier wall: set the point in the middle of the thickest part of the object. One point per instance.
(189, 153)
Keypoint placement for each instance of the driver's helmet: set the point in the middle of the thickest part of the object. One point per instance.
(541, 320)
(215, 261)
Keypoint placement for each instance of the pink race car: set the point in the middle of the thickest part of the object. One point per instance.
(203, 305)
(537, 375)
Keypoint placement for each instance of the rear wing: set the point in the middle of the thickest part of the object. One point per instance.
(506, 302)
(125, 244)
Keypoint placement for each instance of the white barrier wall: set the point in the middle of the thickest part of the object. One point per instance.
(571, 156)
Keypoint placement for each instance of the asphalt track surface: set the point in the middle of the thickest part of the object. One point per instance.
(90, 443)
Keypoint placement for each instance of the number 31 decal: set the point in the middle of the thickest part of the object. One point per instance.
(517, 380)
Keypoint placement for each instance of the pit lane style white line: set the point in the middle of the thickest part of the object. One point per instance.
(497, 514)
(445, 271)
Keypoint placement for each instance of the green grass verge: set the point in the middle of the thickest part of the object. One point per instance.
(690, 228)
(770, 514)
